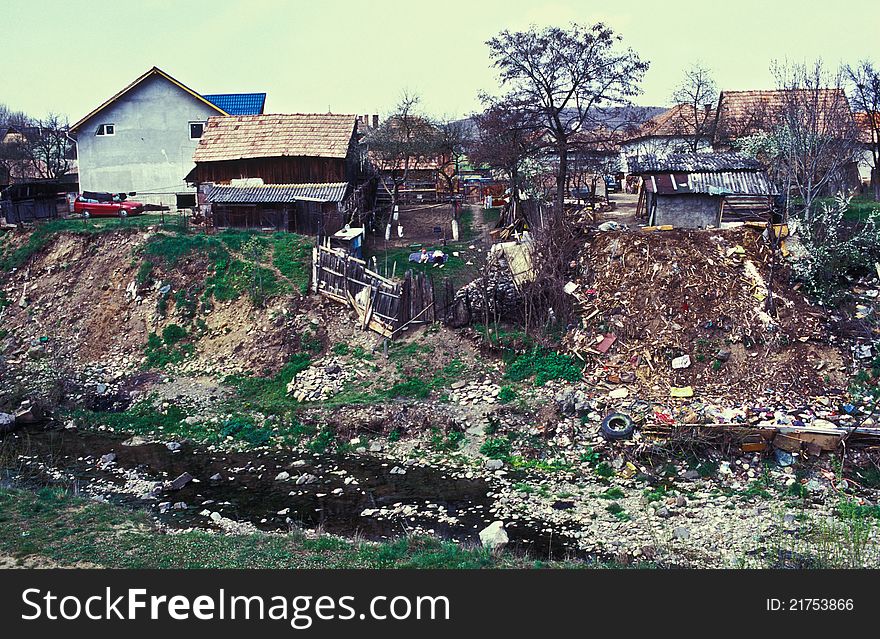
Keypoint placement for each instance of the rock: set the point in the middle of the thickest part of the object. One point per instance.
(215, 517)
(690, 475)
(37, 352)
(494, 464)
(7, 422)
(823, 423)
(681, 362)
(164, 507)
(137, 440)
(663, 511)
(494, 537)
(459, 384)
(783, 458)
(101, 389)
(722, 355)
(282, 476)
(375, 447)
(216, 477)
(181, 481)
(397, 470)
(681, 533)
(173, 446)
(619, 393)
(180, 505)
(306, 478)
(108, 458)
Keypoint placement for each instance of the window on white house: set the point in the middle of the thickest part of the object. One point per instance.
(106, 129)
(196, 129)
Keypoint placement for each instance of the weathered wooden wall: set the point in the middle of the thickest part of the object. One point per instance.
(382, 305)
(282, 170)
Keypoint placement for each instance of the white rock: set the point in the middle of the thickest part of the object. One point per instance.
(494, 537)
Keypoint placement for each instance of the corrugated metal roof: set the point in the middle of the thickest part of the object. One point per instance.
(731, 182)
(238, 103)
(693, 163)
(713, 183)
(278, 193)
(325, 135)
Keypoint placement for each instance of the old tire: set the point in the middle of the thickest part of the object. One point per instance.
(617, 426)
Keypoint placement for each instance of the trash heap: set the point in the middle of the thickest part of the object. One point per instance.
(681, 316)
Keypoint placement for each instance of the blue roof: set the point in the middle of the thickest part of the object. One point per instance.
(238, 103)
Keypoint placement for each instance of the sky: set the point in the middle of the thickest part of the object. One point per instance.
(68, 56)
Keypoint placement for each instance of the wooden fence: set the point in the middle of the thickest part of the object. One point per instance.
(382, 305)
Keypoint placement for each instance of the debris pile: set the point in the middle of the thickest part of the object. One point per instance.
(680, 314)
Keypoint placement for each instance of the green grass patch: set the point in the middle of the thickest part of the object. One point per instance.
(543, 366)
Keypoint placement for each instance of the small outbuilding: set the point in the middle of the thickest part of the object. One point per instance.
(688, 190)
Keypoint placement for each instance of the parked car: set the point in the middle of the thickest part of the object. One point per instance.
(610, 184)
(106, 204)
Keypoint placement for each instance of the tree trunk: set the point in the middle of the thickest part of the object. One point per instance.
(561, 178)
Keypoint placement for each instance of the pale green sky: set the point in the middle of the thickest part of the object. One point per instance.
(68, 56)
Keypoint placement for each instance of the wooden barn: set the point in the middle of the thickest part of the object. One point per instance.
(280, 172)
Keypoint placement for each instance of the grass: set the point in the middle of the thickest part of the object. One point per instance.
(269, 394)
(544, 366)
(861, 207)
(54, 525)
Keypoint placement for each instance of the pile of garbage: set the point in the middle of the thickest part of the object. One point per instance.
(683, 314)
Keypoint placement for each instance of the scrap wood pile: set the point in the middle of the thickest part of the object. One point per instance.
(682, 314)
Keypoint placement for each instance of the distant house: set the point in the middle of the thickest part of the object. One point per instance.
(142, 139)
(744, 113)
(282, 172)
(698, 190)
(35, 200)
(672, 131)
(868, 126)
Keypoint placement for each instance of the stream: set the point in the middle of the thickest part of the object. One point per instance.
(347, 495)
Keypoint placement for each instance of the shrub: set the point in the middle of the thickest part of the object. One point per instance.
(172, 334)
(506, 394)
(544, 366)
(496, 448)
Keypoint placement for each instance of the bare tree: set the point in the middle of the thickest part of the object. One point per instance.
(404, 140)
(505, 137)
(864, 81)
(814, 132)
(47, 147)
(695, 99)
(567, 79)
(451, 140)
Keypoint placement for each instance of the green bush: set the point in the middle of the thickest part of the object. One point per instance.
(496, 448)
(172, 334)
(544, 366)
(506, 394)
(243, 428)
(413, 387)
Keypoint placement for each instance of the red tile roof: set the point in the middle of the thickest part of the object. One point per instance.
(863, 124)
(674, 122)
(259, 136)
(743, 113)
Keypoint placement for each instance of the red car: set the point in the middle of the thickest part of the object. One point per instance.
(106, 205)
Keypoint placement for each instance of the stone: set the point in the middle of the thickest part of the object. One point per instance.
(306, 478)
(216, 517)
(690, 475)
(681, 362)
(375, 447)
(494, 536)
(216, 477)
(173, 446)
(181, 480)
(619, 393)
(282, 476)
(681, 533)
(108, 458)
(494, 464)
(180, 505)
(397, 470)
(663, 512)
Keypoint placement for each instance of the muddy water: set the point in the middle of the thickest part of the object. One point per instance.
(351, 495)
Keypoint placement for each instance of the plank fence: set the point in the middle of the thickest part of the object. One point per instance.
(382, 305)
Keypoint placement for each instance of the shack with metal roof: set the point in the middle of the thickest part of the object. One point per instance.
(698, 190)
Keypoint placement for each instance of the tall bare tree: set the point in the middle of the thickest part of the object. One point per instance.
(695, 99)
(864, 83)
(567, 79)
